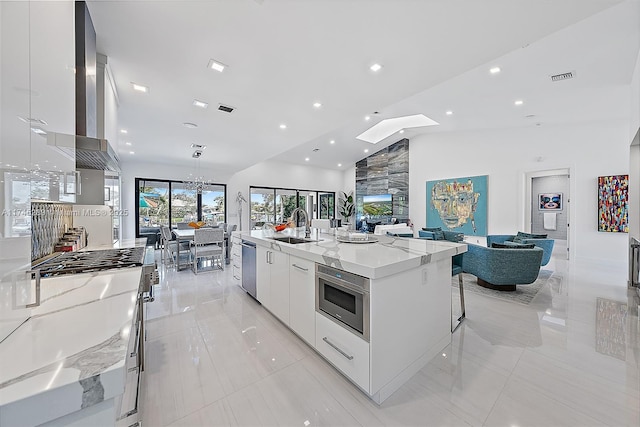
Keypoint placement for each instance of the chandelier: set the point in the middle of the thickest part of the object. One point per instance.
(196, 182)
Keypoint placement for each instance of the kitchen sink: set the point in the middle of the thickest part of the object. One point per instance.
(293, 240)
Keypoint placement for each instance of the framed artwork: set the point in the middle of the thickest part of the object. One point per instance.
(613, 203)
(550, 201)
(458, 204)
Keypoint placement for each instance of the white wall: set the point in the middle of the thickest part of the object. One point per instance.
(272, 173)
(589, 150)
(635, 100)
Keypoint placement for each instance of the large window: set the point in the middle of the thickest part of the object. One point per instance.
(164, 202)
(275, 205)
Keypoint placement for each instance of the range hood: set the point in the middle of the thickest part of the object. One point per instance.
(90, 152)
(95, 153)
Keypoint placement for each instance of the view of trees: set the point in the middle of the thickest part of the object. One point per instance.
(154, 204)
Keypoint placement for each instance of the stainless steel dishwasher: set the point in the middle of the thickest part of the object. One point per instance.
(249, 267)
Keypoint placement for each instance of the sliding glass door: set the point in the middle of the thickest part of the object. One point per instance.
(262, 207)
(166, 203)
(153, 204)
(275, 205)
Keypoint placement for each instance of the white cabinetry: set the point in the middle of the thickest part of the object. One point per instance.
(272, 281)
(302, 298)
(345, 351)
(236, 260)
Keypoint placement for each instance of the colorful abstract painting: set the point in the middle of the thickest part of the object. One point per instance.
(613, 203)
(550, 201)
(458, 204)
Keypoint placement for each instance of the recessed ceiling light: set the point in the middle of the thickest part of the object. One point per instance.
(132, 152)
(339, 165)
(283, 126)
(448, 113)
(317, 104)
(124, 131)
(367, 118)
(200, 104)
(127, 143)
(216, 65)
(366, 150)
(388, 127)
(518, 102)
(190, 125)
(375, 67)
(494, 70)
(198, 146)
(140, 88)
(333, 141)
(306, 159)
(401, 131)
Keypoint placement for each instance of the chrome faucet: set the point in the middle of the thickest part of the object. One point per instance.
(307, 227)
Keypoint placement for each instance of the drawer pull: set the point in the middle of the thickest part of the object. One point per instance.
(336, 348)
(300, 268)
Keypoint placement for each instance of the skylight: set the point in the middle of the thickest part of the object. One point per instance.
(388, 127)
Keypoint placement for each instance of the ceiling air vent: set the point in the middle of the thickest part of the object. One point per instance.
(225, 108)
(563, 76)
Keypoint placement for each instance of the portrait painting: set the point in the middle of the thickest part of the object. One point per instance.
(550, 201)
(458, 204)
(613, 203)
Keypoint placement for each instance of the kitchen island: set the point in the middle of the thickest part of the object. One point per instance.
(70, 361)
(406, 307)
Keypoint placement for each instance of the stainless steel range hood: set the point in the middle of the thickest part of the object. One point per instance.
(95, 153)
(90, 152)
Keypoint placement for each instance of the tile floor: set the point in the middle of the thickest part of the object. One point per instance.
(569, 358)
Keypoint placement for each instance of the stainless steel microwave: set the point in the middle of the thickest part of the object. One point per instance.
(344, 298)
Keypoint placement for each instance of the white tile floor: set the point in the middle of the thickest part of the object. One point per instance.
(216, 357)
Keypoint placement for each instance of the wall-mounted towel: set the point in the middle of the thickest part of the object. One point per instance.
(549, 221)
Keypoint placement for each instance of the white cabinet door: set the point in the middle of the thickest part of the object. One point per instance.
(15, 136)
(279, 298)
(263, 275)
(302, 298)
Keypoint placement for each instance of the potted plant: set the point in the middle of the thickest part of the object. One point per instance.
(346, 207)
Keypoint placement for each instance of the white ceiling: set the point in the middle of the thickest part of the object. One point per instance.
(284, 55)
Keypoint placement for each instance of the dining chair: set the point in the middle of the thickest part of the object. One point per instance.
(182, 225)
(208, 243)
(169, 251)
(169, 246)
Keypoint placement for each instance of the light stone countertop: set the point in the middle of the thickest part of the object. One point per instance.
(388, 256)
(71, 352)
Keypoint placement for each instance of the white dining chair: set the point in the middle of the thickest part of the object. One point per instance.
(208, 243)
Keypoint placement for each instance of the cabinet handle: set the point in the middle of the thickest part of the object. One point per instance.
(37, 274)
(336, 348)
(268, 257)
(300, 268)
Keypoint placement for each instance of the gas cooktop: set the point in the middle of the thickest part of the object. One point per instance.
(91, 261)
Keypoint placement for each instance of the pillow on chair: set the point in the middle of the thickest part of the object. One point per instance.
(510, 245)
(437, 232)
(521, 236)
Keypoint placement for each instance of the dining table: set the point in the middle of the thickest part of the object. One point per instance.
(186, 235)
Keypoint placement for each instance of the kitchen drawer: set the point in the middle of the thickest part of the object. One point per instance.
(236, 274)
(345, 351)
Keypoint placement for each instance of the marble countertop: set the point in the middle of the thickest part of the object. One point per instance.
(388, 256)
(71, 352)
